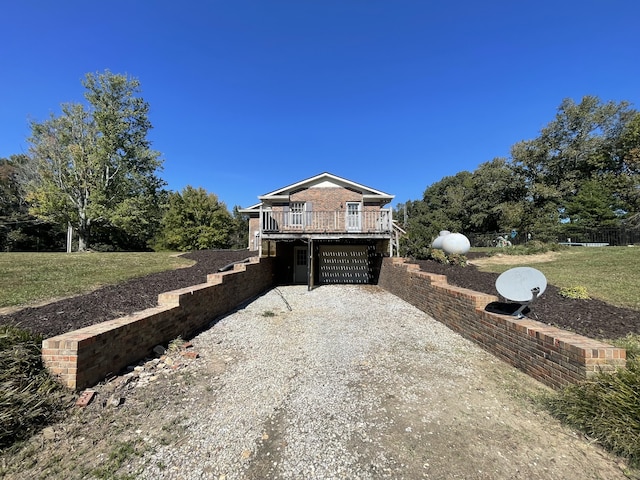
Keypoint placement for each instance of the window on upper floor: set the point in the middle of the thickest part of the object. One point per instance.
(296, 214)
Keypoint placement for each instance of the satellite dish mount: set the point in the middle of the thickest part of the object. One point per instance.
(521, 285)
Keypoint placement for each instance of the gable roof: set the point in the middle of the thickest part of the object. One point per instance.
(321, 180)
(327, 180)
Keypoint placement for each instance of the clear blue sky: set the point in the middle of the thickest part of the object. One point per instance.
(248, 96)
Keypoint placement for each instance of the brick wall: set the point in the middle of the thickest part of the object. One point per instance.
(84, 357)
(551, 355)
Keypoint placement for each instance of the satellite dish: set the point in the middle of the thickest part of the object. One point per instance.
(522, 285)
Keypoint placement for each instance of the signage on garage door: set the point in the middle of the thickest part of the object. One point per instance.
(344, 264)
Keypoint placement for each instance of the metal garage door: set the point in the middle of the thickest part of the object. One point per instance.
(344, 264)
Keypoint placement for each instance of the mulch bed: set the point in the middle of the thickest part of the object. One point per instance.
(592, 318)
(115, 301)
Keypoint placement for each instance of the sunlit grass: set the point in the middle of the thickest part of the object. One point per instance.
(608, 273)
(32, 277)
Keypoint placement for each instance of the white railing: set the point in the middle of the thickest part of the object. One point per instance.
(338, 221)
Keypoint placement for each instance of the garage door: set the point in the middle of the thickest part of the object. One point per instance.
(344, 264)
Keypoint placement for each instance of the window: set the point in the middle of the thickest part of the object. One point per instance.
(296, 214)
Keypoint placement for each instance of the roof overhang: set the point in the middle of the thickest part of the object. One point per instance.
(323, 180)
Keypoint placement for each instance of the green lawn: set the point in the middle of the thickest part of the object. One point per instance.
(31, 277)
(611, 274)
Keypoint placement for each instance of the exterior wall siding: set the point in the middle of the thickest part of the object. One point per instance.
(551, 355)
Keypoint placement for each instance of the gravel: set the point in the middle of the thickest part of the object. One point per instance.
(300, 394)
(344, 381)
(350, 382)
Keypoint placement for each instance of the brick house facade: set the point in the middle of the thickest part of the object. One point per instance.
(325, 229)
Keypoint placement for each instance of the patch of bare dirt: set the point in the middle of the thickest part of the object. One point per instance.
(501, 259)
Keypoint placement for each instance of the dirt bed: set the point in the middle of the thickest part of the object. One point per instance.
(592, 318)
(294, 385)
(114, 301)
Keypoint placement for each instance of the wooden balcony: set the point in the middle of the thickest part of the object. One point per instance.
(278, 222)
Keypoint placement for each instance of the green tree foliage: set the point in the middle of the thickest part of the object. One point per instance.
(627, 183)
(18, 229)
(196, 220)
(240, 232)
(583, 170)
(495, 202)
(582, 144)
(12, 203)
(94, 163)
(487, 200)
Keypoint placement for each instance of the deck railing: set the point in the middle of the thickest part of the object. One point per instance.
(339, 221)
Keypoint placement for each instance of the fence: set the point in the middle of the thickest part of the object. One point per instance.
(614, 236)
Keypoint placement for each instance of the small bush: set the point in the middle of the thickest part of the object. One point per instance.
(437, 255)
(457, 259)
(577, 292)
(530, 248)
(29, 396)
(606, 407)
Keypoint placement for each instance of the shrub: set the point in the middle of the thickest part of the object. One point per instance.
(606, 406)
(578, 292)
(29, 396)
(437, 255)
(457, 259)
(530, 248)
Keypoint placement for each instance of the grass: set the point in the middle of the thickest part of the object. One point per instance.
(607, 273)
(29, 397)
(32, 277)
(606, 406)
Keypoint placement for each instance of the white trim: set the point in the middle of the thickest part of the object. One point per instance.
(321, 181)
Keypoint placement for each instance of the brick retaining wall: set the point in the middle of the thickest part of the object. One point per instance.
(84, 357)
(549, 354)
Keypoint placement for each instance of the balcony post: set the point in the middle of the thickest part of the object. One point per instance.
(260, 220)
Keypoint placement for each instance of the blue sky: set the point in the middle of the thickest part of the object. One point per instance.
(248, 96)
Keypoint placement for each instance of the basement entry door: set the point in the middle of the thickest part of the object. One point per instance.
(343, 264)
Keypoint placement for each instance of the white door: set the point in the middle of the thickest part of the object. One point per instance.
(300, 272)
(354, 217)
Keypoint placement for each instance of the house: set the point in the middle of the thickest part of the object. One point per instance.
(325, 229)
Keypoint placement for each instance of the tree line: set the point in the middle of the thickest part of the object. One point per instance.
(582, 171)
(92, 169)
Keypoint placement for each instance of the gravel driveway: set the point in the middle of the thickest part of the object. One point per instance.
(352, 382)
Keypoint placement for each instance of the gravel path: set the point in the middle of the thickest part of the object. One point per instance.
(351, 382)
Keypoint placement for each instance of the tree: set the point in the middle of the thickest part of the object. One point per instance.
(581, 144)
(592, 206)
(240, 232)
(18, 229)
(196, 220)
(94, 160)
(496, 202)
